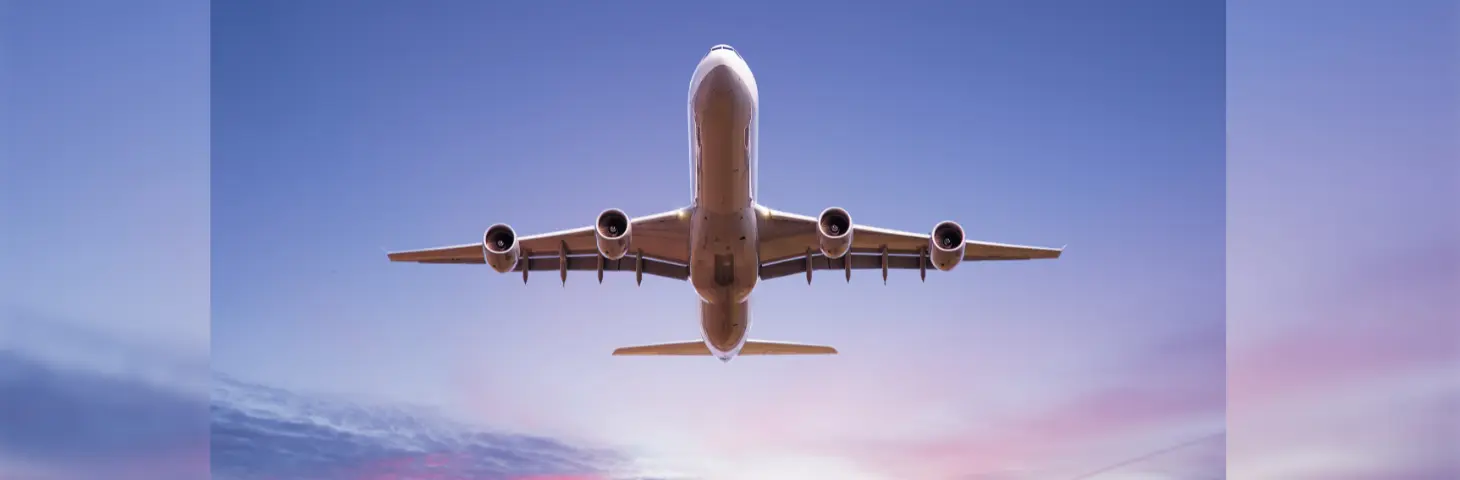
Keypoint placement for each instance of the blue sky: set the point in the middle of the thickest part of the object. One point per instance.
(140, 97)
(336, 132)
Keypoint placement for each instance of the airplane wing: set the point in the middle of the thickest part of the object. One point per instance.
(788, 246)
(661, 239)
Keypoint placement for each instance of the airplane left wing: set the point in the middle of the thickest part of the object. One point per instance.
(789, 244)
(658, 245)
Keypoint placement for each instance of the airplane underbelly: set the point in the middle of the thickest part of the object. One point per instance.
(721, 113)
(725, 327)
(724, 265)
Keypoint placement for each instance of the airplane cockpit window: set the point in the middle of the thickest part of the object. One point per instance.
(722, 47)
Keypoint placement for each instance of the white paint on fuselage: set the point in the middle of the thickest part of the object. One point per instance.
(724, 258)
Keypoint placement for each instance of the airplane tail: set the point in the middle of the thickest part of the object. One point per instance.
(752, 347)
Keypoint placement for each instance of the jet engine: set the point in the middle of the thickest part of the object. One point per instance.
(947, 245)
(499, 247)
(611, 233)
(834, 232)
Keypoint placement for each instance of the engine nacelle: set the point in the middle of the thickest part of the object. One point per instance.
(947, 245)
(611, 233)
(834, 232)
(499, 247)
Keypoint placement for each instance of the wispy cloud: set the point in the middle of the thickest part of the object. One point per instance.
(1158, 410)
(1361, 379)
(269, 433)
(78, 404)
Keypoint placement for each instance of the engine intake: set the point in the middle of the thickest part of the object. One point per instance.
(499, 247)
(947, 245)
(612, 233)
(834, 232)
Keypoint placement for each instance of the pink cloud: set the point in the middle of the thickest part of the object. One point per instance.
(1350, 373)
(913, 423)
(893, 426)
(1395, 316)
(1039, 438)
(1318, 358)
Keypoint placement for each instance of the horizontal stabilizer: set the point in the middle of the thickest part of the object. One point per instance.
(762, 347)
(696, 347)
(752, 347)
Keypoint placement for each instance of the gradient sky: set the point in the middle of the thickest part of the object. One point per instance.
(1340, 214)
(339, 132)
(1343, 191)
(112, 121)
(104, 223)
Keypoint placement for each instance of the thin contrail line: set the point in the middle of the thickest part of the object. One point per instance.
(1149, 455)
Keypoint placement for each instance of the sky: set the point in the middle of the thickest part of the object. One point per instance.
(104, 221)
(1344, 362)
(340, 132)
(335, 133)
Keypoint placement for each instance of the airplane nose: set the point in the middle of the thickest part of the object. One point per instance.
(722, 81)
(722, 92)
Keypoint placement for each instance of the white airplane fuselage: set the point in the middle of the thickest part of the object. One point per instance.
(724, 259)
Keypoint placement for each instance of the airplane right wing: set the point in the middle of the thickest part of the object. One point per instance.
(655, 245)
(790, 245)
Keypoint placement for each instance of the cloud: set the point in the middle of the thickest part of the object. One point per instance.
(268, 433)
(1391, 315)
(58, 422)
(1352, 374)
(1153, 398)
(1093, 431)
(76, 403)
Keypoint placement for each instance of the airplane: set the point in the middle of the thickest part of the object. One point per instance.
(724, 241)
